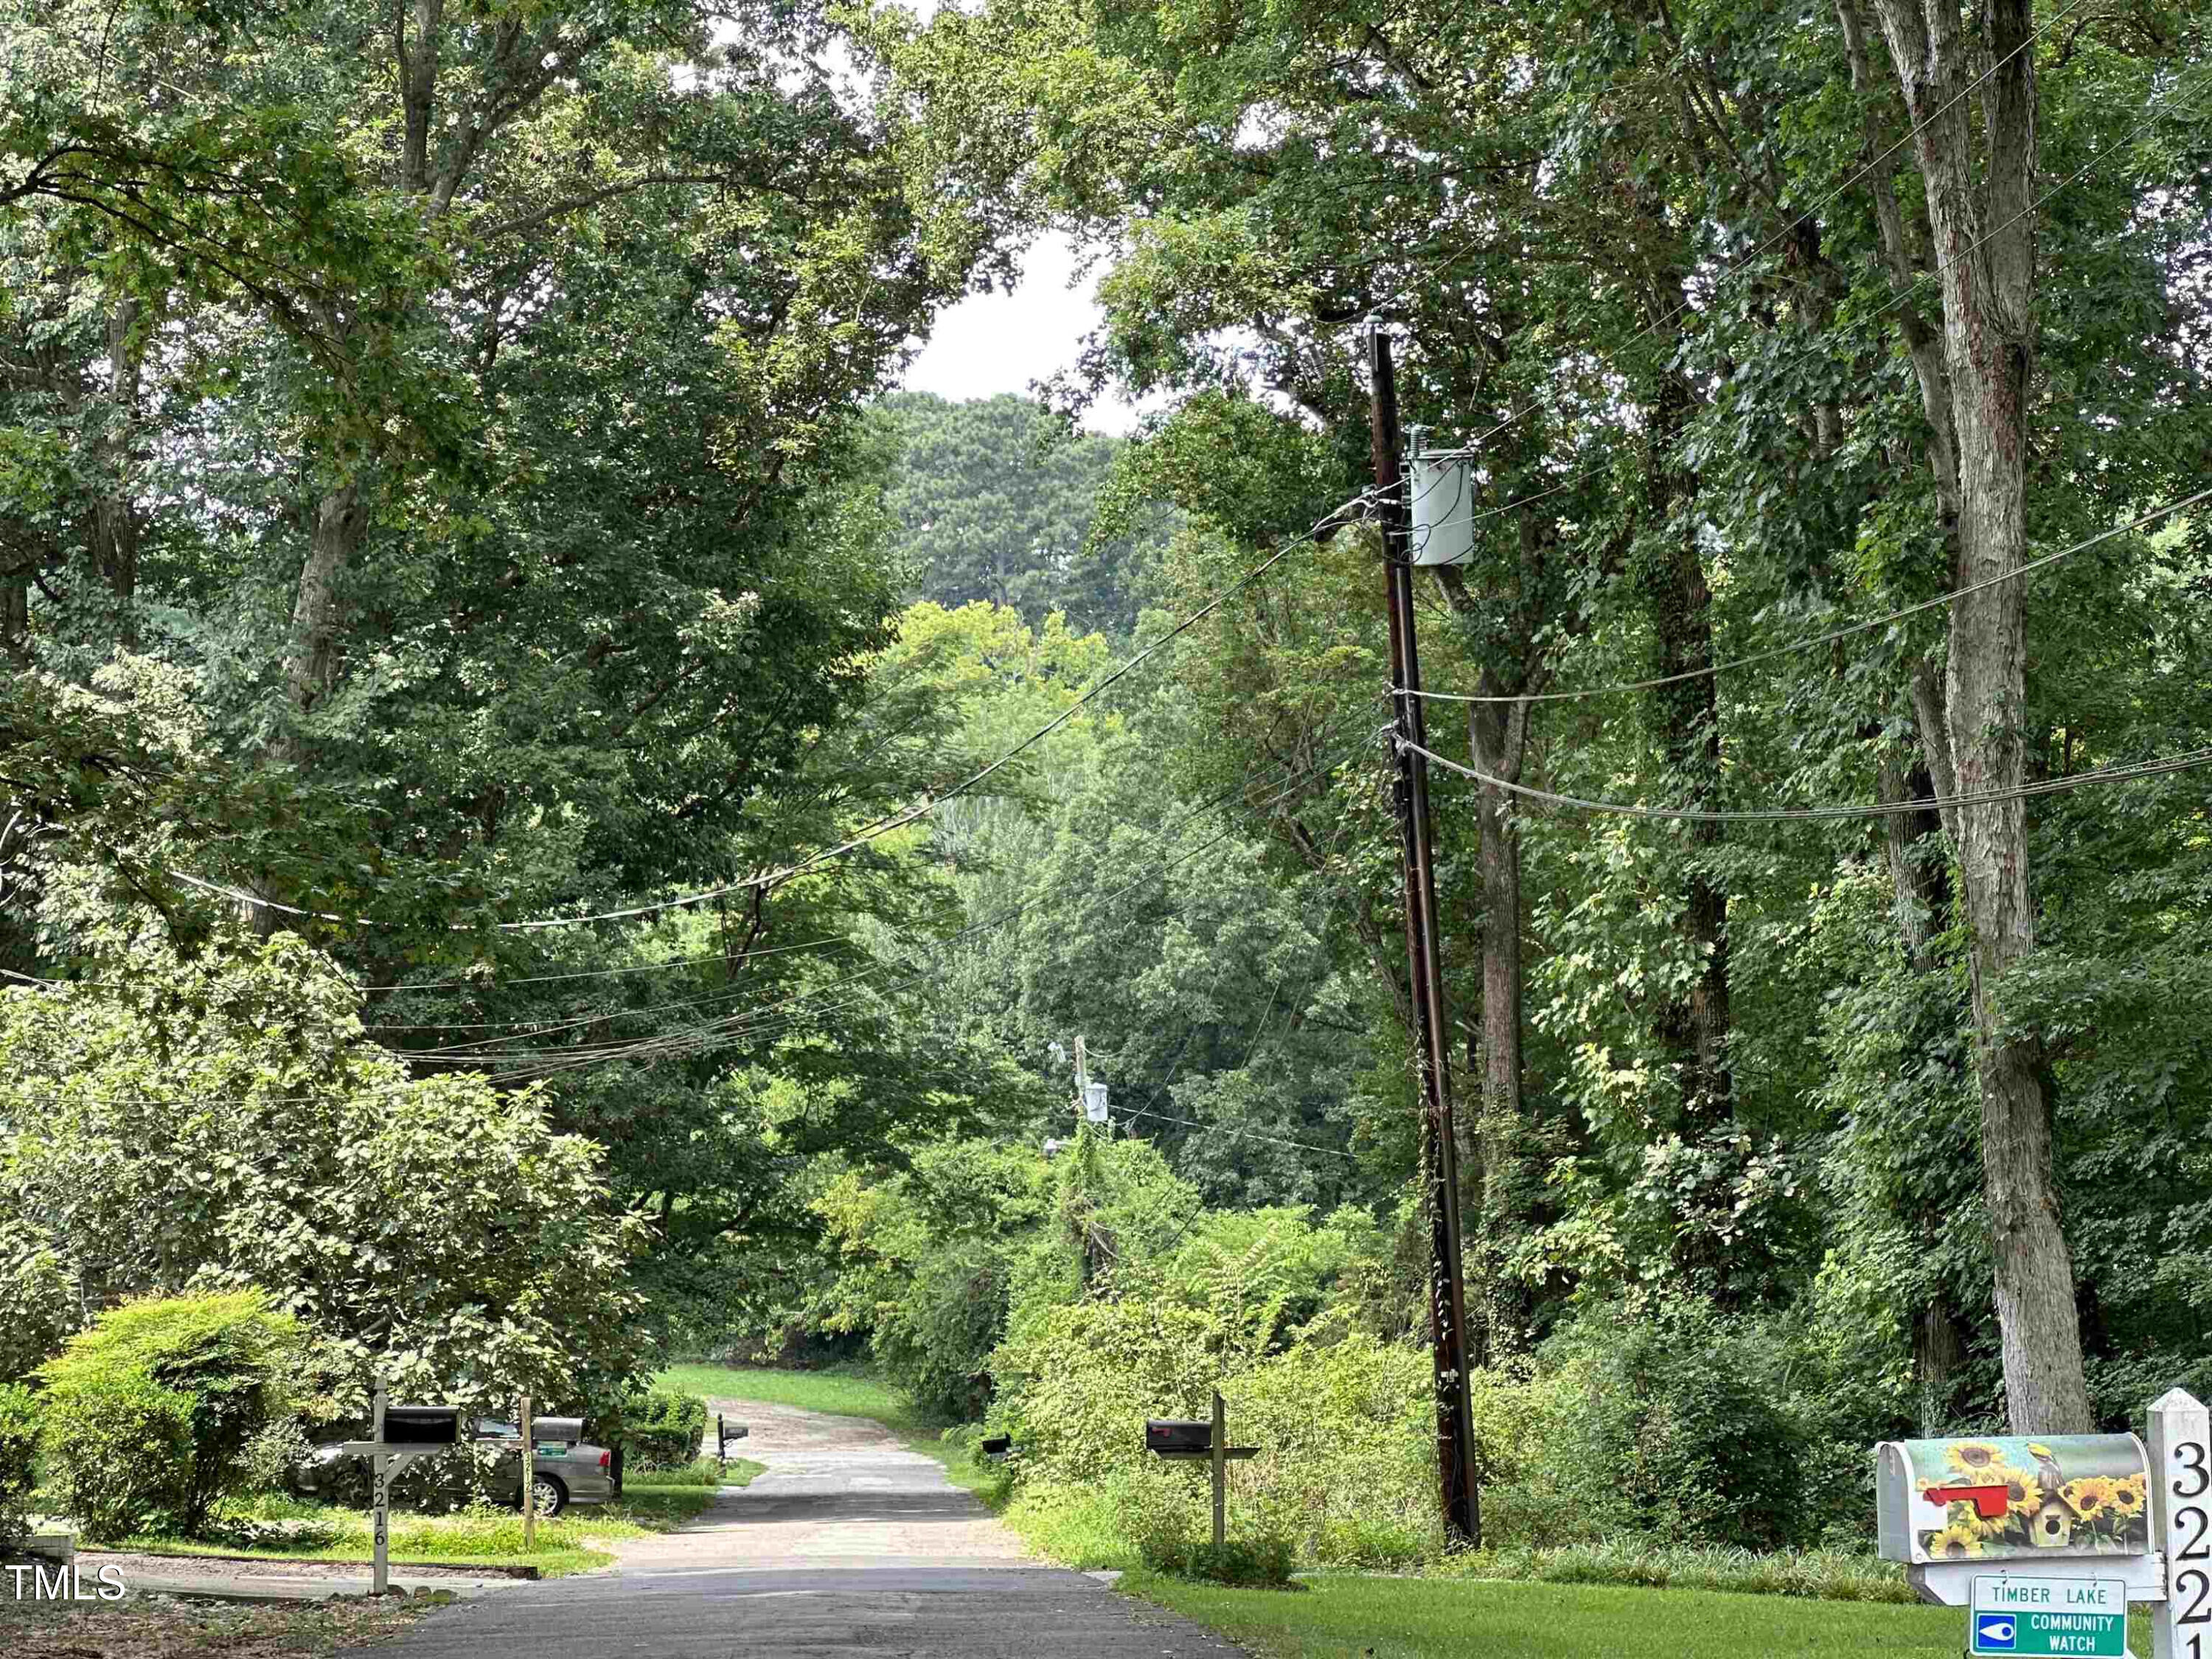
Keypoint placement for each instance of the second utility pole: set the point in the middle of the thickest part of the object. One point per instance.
(1439, 1149)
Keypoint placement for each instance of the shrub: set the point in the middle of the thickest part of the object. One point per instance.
(266, 1462)
(1673, 1428)
(1343, 1472)
(1264, 1562)
(19, 1447)
(661, 1428)
(148, 1414)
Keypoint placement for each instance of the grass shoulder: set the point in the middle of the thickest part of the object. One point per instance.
(280, 1529)
(1336, 1616)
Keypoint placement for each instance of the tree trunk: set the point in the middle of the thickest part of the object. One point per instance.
(1685, 717)
(1497, 735)
(1919, 860)
(341, 522)
(15, 618)
(1939, 1351)
(1982, 229)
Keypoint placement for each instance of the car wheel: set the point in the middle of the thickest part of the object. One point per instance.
(548, 1497)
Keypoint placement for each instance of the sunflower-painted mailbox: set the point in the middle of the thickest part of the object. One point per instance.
(2067, 1497)
(2046, 1539)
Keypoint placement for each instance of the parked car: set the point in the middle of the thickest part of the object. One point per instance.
(488, 1466)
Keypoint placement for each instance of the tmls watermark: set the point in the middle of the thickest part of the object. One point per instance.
(65, 1583)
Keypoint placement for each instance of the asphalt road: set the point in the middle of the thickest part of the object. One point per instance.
(850, 1545)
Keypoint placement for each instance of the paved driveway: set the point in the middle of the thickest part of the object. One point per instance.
(850, 1545)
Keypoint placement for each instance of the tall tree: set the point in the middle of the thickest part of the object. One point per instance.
(1974, 137)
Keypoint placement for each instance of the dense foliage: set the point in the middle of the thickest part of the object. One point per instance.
(551, 816)
(996, 500)
(19, 1456)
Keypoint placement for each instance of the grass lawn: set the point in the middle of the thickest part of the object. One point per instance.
(275, 1529)
(846, 1394)
(1353, 1618)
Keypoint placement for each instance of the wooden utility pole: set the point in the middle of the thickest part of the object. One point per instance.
(1439, 1149)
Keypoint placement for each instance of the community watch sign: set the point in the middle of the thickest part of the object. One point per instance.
(2049, 1615)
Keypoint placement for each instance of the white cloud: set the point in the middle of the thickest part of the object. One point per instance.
(987, 343)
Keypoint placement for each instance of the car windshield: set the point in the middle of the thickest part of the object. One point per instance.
(489, 1430)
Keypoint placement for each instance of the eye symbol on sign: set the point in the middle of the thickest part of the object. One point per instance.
(1994, 1632)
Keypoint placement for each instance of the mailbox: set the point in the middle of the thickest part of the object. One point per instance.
(997, 1445)
(422, 1426)
(562, 1430)
(1168, 1437)
(2058, 1506)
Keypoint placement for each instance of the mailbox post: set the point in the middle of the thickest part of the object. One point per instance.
(1219, 1446)
(380, 1499)
(400, 1436)
(529, 1479)
(1169, 1437)
(2181, 1510)
(725, 1433)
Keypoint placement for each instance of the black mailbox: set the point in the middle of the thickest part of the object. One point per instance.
(422, 1426)
(998, 1445)
(1171, 1437)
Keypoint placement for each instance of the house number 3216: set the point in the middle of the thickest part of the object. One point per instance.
(2181, 1442)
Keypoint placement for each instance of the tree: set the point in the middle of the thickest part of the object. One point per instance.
(442, 1235)
(1979, 183)
(994, 500)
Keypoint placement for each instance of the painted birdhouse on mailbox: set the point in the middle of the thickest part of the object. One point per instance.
(2013, 1498)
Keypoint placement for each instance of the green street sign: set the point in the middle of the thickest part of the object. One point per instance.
(2020, 1615)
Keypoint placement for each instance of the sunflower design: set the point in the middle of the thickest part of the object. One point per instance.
(1952, 1544)
(2051, 1527)
(2091, 1496)
(1977, 1460)
(2128, 1495)
(2024, 1492)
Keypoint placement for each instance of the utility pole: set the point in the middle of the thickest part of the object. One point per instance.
(1082, 1082)
(1439, 1149)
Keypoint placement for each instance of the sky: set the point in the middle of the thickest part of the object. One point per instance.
(992, 343)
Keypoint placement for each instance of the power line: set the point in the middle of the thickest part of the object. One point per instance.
(1252, 1134)
(1895, 303)
(723, 1033)
(2128, 772)
(669, 965)
(746, 1026)
(881, 827)
(1941, 599)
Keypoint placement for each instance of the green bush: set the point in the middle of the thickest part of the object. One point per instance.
(1672, 1427)
(661, 1429)
(1343, 1473)
(148, 1414)
(1176, 1536)
(19, 1449)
